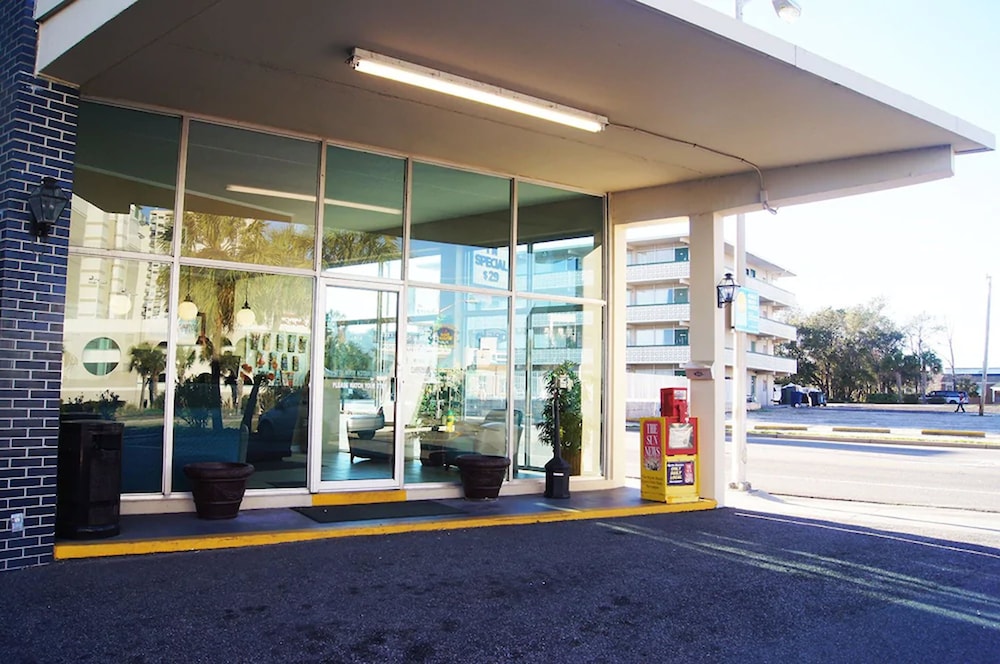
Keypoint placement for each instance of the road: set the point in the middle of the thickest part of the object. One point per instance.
(870, 472)
(896, 474)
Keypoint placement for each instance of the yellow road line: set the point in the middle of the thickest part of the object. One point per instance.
(950, 432)
(862, 429)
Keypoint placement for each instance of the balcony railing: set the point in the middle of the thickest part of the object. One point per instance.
(762, 362)
(657, 354)
(657, 271)
(771, 293)
(773, 328)
(657, 313)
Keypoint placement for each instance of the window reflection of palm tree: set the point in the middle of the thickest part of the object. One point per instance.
(258, 242)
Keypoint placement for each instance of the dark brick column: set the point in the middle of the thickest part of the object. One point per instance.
(37, 138)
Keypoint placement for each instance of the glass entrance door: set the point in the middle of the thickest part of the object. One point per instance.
(357, 397)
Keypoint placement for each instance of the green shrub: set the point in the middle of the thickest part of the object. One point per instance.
(911, 398)
(882, 397)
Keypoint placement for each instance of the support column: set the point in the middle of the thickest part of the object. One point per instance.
(707, 339)
(738, 477)
(37, 139)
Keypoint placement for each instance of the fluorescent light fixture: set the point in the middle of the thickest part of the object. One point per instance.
(456, 86)
(787, 10)
(240, 189)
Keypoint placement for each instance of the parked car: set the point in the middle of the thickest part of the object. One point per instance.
(273, 439)
(947, 396)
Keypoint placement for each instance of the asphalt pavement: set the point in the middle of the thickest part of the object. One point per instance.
(727, 585)
(766, 579)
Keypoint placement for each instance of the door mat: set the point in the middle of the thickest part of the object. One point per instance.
(373, 511)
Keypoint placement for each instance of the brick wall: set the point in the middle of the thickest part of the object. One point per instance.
(37, 138)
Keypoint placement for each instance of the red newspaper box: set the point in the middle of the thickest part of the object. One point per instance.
(674, 403)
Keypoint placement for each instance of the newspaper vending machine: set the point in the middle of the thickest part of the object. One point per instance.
(669, 449)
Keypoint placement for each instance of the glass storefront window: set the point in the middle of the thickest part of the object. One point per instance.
(245, 335)
(460, 233)
(551, 335)
(240, 378)
(114, 356)
(363, 214)
(249, 197)
(454, 399)
(559, 237)
(124, 179)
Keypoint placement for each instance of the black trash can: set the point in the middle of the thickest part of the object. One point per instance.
(89, 478)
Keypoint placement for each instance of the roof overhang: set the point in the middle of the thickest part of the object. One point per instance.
(674, 78)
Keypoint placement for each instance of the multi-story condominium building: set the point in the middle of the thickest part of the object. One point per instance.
(658, 316)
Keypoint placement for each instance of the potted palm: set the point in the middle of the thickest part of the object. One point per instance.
(570, 417)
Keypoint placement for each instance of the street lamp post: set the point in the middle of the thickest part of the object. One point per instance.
(986, 345)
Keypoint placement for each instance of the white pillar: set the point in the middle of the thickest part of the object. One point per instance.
(738, 477)
(615, 386)
(707, 339)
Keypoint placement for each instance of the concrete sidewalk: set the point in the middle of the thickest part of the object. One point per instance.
(166, 533)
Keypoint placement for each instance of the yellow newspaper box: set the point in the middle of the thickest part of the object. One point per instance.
(669, 464)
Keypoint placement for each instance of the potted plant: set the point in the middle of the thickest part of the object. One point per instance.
(217, 487)
(482, 475)
(570, 417)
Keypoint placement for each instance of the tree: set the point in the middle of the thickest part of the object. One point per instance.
(149, 362)
(855, 352)
(922, 330)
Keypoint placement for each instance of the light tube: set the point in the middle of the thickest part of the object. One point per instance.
(242, 189)
(456, 86)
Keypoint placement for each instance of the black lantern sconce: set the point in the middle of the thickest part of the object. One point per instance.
(725, 290)
(46, 202)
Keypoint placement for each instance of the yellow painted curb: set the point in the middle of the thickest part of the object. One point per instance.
(69, 551)
(949, 432)
(358, 498)
(789, 427)
(862, 429)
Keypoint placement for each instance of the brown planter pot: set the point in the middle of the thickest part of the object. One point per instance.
(482, 475)
(218, 487)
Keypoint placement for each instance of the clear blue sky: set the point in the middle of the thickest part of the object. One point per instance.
(925, 248)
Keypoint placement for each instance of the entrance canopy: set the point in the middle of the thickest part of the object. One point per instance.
(690, 94)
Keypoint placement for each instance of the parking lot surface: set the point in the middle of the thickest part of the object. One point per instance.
(898, 417)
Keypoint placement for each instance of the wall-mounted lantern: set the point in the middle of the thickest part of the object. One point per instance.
(725, 290)
(46, 203)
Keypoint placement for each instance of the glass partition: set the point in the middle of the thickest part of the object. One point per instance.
(241, 372)
(460, 233)
(124, 178)
(115, 354)
(250, 197)
(363, 214)
(454, 399)
(561, 337)
(358, 390)
(559, 238)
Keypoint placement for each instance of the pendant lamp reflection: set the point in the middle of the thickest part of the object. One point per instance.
(188, 310)
(245, 317)
(120, 303)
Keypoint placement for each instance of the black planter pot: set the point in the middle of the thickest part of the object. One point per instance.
(218, 487)
(482, 475)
